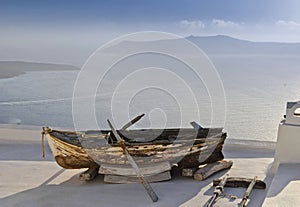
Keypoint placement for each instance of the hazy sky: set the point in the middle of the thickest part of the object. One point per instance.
(68, 31)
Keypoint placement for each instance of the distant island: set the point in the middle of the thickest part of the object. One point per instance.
(225, 51)
(9, 69)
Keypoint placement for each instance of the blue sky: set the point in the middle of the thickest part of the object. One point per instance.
(27, 25)
(130, 11)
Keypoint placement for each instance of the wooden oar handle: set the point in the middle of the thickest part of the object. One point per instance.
(139, 174)
(133, 121)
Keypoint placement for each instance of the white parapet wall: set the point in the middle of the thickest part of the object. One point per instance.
(288, 139)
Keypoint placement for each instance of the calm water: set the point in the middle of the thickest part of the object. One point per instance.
(256, 97)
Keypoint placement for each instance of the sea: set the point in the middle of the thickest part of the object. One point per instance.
(256, 94)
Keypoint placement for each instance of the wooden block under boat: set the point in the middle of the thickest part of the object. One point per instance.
(127, 170)
(89, 174)
(131, 179)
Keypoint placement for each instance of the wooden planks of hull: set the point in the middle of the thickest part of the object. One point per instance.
(72, 151)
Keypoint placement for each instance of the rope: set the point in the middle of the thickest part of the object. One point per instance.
(43, 144)
(45, 130)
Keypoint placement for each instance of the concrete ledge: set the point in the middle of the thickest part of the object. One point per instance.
(284, 189)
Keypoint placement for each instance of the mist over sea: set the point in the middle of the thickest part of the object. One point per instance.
(257, 87)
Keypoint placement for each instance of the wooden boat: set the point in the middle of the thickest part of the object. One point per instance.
(186, 147)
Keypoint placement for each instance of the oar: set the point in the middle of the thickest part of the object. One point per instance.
(248, 192)
(139, 174)
(218, 191)
(133, 121)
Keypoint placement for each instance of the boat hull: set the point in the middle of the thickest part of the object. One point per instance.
(71, 151)
(69, 156)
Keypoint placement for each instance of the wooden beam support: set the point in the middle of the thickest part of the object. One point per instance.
(90, 174)
(188, 172)
(133, 179)
(127, 170)
(212, 168)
